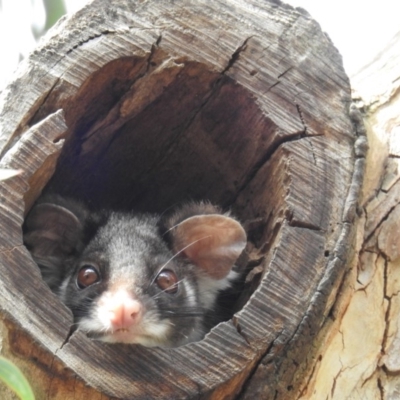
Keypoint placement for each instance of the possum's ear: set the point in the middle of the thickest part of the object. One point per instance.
(212, 242)
(52, 233)
(52, 230)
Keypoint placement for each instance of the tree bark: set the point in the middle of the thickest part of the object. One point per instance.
(139, 105)
(357, 354)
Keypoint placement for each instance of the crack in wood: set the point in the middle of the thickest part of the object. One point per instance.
(389, 305)
(285, 72)
(335, 378)
(272, 86)
(235, 55)
(256, 365)
(44, 100)
(302, 119)
(384, 218)
(302, 224)
(381, 388)
(368, 378)
(20, 131)
(236, 324)
(259, 165)
(313, 153)
(154, 46)
(71, 331)
(303, 391)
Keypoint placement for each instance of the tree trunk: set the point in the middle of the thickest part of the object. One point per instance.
(357, 354)
(139, 105)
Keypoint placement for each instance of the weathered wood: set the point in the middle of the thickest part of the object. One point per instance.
(356, 353)
(239, 102)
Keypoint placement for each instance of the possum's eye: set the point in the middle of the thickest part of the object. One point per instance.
(87, 276)
(167, 281)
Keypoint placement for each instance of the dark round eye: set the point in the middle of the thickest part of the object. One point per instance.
(167, 281)
(87, 276)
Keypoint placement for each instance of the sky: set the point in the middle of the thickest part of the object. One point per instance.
(358, 28)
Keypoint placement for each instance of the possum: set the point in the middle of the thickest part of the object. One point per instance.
(132, 277)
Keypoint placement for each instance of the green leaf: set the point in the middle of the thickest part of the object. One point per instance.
(12, 376)
(54, 10)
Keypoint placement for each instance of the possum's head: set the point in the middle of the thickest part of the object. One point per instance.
(145, 279)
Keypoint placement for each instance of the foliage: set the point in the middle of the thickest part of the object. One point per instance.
(54, 10)
(12, 376)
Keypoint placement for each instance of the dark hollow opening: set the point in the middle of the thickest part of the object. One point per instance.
(191, 134)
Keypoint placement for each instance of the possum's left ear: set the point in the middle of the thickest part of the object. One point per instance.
(212, 242)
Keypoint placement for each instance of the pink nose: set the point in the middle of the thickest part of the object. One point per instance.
(125, 313)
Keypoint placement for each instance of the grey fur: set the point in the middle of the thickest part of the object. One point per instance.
(128, 250)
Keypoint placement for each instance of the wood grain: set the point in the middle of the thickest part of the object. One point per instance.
(356, 352)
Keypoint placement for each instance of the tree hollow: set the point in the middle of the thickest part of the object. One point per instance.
(143, 105)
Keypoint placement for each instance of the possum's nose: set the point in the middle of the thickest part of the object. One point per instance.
(124, 311)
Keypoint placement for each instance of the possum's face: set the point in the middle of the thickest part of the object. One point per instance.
(128, 287)
(135, 278)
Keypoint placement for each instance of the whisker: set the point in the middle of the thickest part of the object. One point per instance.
(173, 227)
(176, 255)
(171, 207)
(177, 204)
(181, 313)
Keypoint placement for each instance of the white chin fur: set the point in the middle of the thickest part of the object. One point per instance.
(149, 332)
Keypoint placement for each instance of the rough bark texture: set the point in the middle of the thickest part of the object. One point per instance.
(139, 105)
(357, 352)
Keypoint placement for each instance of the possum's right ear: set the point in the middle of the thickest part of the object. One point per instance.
(53, 233)
(52, 230)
